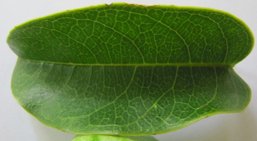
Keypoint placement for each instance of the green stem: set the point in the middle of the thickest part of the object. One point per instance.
(112, 138)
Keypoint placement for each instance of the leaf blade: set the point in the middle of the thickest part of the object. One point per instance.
(131, 34)
(126, 100)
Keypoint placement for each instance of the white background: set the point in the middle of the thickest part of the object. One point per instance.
(17, 125)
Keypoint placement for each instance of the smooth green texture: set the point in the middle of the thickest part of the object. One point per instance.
(112, 138)
(130, 70)
(125, 100)
(130, 34)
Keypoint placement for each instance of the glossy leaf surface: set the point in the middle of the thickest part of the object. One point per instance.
(125, 100)
(130, 34)
(130, 70)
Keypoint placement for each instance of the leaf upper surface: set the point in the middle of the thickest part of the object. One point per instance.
(133, 34)
(125, 69)
(125, 100)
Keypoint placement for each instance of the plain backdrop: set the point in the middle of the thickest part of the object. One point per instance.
(18, 125)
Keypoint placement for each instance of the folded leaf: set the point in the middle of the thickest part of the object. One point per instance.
(125, 69)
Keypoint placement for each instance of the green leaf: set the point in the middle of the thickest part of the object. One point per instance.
(112, 138)
(125, 69)
(125, 100)
(130, 34)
